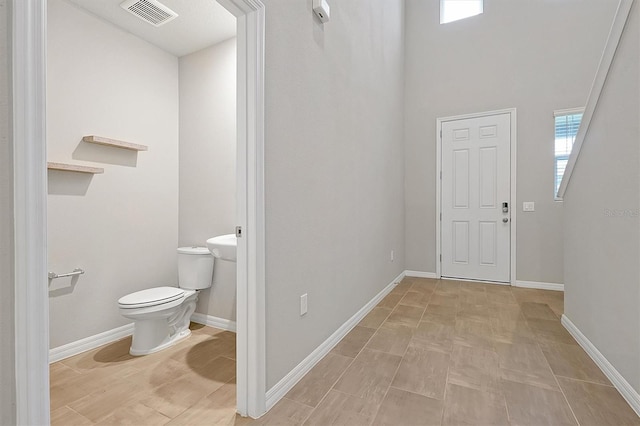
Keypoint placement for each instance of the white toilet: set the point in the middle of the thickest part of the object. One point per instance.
(161, 315)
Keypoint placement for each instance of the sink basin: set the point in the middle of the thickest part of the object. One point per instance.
(223, 247)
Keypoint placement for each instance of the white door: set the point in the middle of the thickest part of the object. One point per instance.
(475, 204)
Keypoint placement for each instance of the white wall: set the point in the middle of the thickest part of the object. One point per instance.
(537, 56)
(7, 322)
(121, 226)
(602, 229)
(334, 168)
(208, 163)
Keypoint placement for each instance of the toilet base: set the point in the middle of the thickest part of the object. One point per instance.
(151, 335)
(178, 337)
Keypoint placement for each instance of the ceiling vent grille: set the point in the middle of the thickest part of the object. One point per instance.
(150, 11)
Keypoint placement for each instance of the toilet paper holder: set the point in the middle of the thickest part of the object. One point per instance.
(77, 271)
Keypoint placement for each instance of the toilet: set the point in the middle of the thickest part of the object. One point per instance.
(161, 315)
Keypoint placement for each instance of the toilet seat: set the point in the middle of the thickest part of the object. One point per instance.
(150, 297)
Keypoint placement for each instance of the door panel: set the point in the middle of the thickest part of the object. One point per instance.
(476, 180)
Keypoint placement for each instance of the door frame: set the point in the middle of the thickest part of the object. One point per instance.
(28, 27)
(439, 121)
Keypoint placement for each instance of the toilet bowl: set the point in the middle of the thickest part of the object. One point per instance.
(161, 315)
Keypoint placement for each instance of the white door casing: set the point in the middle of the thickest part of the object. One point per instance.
(475, 240)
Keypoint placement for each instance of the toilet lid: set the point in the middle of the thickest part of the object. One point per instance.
(151, 297)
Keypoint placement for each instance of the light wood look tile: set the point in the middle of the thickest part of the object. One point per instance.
(466, 406)
(473, 333)
(476, 368)
(534, 310)
(99, 404)
(338, 408)
(415, 298)
(369, 375)
(531, 405)
(597, 405)
(423, 371)
(525, 363)
(573, 362)
(406, 315)
(391, 338)
(134, 414)
(390, 300)
(66, 416)
(314, 386)
(405, 408)
(352, 343)
(437, 336)
(440, 314)
(478, 354)
(376, 317)
(219, 408)
(550, 331)
(173, 398)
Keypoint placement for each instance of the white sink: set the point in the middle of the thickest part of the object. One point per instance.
(223, 247)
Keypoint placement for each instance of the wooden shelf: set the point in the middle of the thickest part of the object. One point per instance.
(74, 168)
(115, 143)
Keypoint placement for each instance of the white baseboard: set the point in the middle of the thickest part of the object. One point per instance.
(221, 323)
(418, 274)
(281, 388)
(88, 343)
(620, 383)
(540, 285)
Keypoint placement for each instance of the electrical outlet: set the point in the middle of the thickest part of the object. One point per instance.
(303, 304)
(392, 256)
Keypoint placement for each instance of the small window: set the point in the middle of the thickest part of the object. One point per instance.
(454, 10)
(567, 123)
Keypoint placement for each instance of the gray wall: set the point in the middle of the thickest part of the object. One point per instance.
(537, 56)
(121, 226)
(334, 168)
(7, 322)
(208, 163)
(602, 229)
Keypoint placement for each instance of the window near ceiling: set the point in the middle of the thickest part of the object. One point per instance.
(454, 10)
(567, 123)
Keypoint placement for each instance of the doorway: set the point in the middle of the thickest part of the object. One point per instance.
(30, 177)
(476, 189)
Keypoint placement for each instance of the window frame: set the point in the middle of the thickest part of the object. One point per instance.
(564, 157)
(442, 11)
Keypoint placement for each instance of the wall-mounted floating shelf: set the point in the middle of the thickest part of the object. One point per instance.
(115, 143)
(74, 168)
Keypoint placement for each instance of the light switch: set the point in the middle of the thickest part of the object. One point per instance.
(529, 206)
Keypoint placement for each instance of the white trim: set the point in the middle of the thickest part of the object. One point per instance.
(514, 173)
(626, 390)
(281, 388)
(28, 53)
(609, 53)
(540, 285)
(216, 322)
(568, 111)
(250, 207)
(418, 274)
(89, 343)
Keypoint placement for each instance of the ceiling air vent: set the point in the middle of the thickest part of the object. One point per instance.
(150, 11)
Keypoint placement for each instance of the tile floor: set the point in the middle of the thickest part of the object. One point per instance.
(431, 353)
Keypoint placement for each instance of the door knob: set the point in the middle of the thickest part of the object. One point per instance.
(505, 219)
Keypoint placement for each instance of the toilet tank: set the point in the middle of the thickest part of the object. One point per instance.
(195, 268)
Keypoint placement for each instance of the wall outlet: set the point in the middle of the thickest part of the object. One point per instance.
(529, 206)
(303, 304)
(392, 256)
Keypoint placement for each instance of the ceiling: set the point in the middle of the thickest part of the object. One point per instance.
(200, 23)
